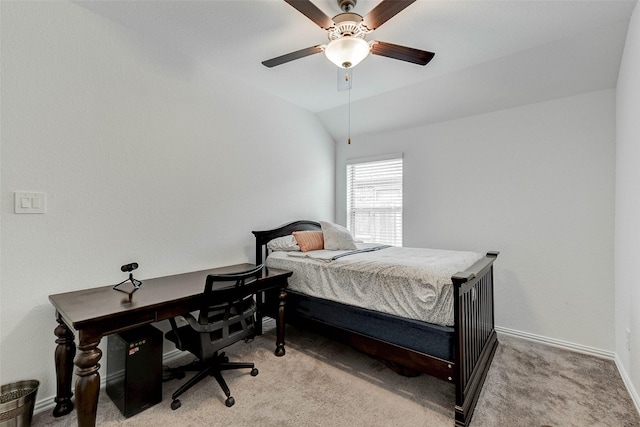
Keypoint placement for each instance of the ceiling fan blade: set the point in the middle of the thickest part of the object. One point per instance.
(420, 57)
(384, 11)
(312, 12)
(292, 56)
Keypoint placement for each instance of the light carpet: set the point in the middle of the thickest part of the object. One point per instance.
(320, 382)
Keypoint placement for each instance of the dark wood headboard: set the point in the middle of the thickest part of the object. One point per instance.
(263, 237)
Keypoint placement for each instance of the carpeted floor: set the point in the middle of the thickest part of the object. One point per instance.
(530, 384)
(323, 383)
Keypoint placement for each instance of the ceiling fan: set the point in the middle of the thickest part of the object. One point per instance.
(347, 46)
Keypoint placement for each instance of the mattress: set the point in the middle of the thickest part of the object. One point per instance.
(427, 338)
(411, 283)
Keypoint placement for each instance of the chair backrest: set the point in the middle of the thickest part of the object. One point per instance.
(227, 321)
(240, 278)
(212, 303)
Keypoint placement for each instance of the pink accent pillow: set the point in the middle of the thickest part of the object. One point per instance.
(309, 240)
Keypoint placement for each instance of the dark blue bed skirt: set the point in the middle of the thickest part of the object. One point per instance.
(428, 338)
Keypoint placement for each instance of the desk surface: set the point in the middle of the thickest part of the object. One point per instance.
(87, 307)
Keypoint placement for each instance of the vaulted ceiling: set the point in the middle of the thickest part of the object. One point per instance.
(490, 55)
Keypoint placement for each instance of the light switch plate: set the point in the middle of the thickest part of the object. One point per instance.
(30, 202)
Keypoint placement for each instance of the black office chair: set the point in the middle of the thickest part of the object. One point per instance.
(219, 324)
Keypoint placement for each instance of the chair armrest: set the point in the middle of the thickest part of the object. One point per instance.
(199, 327)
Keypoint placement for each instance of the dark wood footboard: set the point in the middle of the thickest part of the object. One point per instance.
(475, 334)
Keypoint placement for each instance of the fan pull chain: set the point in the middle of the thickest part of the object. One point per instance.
(349, 90)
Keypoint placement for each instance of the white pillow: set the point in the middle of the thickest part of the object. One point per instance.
(336, 237)
(284, 243)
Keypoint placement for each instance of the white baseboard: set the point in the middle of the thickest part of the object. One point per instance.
(558, 343)
(48, 403)
(580, 349)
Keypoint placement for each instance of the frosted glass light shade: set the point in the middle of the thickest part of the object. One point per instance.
(347, 52)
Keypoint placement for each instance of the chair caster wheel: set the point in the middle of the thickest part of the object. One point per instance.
(254, 372)
(230, 401)
(179, 375)
(175, 404)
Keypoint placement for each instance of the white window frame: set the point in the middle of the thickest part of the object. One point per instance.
(379, 217)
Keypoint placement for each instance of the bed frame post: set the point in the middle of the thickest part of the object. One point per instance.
(260, 254)
(475, 335)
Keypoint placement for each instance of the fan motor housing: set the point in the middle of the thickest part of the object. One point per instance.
(347, 5)
(347, 25)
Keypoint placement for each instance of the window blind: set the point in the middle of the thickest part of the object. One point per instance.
(374, 201)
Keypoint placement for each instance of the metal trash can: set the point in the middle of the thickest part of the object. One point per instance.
(17, 401)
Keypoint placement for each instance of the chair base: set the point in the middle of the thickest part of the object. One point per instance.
(213, 367)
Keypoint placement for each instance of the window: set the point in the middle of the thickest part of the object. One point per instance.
(374, 200)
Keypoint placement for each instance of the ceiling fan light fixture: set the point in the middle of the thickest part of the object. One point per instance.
(347, 52)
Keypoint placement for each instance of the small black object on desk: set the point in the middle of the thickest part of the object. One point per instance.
(135, 282)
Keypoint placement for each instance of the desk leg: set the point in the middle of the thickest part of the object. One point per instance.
(280, 323)
(88, 382)
(65, 352)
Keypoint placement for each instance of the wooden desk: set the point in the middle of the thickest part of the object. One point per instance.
(98, 312)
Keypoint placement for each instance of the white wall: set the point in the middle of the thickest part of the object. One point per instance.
(143, 157)
(535, 182)
(627, 228)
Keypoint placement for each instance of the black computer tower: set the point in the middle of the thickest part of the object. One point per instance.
(134, 369)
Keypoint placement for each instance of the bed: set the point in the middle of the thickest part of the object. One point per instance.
(457, 345)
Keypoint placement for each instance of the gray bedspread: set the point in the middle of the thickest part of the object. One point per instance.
(414, 283)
